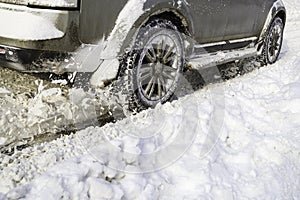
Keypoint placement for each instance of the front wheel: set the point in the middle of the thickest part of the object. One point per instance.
(154, 66)
(273, 41)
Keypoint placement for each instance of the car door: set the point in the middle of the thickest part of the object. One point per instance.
(243, 18)
(210, 19)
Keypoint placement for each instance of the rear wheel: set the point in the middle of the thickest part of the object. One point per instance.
(154, 66)
(273, 41)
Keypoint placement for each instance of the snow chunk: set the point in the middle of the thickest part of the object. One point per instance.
(2, 140)
(4, 91)
(100, 189)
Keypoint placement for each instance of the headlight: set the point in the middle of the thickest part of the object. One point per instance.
(54, 3)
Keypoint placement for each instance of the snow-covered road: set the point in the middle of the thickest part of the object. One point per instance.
(238, 139)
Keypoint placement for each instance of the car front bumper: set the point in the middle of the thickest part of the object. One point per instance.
(38, 28)
(37, 39)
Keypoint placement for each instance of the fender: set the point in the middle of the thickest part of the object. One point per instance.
(134, 14)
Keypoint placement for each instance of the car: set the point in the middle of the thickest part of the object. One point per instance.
(145, 43)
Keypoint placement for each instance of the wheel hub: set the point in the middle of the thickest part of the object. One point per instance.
(158, 69)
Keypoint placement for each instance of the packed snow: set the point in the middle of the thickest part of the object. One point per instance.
(237, 139)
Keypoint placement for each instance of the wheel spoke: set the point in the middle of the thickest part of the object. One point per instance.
(169, 68)
(152, 49)
(145, 77)
(159, 50)
(152, 89)
(159, 88)
(150, 57)
(163, 47)
(168, 75)
(149, 85)
(163, 83)
(146, 68)
(169, 52)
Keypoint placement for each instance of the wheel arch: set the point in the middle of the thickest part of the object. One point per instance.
(179, 16)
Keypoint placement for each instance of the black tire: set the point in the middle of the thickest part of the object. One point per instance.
(273, 41)
(150, 72)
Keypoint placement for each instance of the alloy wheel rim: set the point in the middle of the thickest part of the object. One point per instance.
(158, 67)
(274, 43)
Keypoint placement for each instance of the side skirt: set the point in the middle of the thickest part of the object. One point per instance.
(209, 55)
(221, 57)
